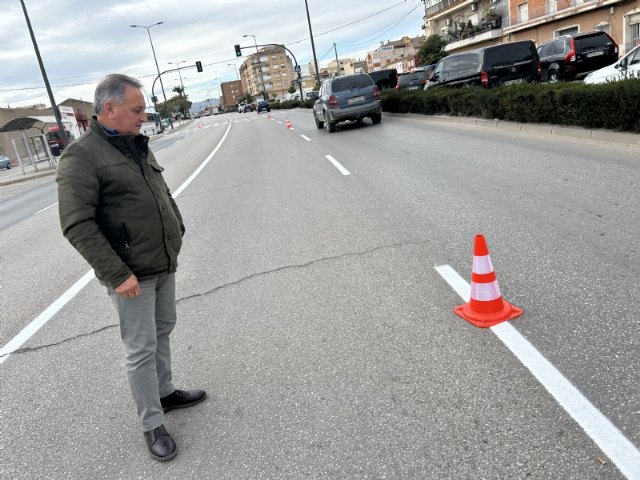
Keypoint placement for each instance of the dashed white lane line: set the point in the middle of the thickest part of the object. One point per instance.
(27, 332)
(611, 441)
(336, 164)
(306, 138)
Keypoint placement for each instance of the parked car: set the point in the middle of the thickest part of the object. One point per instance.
(351, 97)
(312, 95)
(574, 56)
(627, 67)
(247, 108)
(414, 80)
(4, 162)
(263, 106)
(387, 78)
(502, 64)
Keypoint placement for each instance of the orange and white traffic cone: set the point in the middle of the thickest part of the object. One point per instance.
(287, 124)
(486, 306)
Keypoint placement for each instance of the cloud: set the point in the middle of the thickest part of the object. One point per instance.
(82, 41)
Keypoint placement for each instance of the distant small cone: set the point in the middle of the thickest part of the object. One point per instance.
(288, 124)
(486, 306)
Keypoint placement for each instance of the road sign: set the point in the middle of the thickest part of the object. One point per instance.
(297, 68)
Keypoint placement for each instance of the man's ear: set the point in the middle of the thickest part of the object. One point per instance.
(108, 109)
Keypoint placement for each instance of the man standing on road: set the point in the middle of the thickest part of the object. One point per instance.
(117, 211)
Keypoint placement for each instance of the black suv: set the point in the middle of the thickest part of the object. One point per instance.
(574, 56)
(385, 78)
(351, 97)
(414, 80)
(263, 105)
(502, 64)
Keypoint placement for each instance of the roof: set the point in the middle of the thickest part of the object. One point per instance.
(26, 123)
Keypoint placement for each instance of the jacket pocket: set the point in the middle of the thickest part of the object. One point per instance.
(122, 247)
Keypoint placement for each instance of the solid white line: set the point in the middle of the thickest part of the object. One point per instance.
(336, 164)
(306, 138)
(611, 441)
(27, 332)
(46, 208)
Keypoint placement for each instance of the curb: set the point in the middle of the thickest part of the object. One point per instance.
(28, 176)
(543, 129)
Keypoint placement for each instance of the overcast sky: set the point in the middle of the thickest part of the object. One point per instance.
(80, 41)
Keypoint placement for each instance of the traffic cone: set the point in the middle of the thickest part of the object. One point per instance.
(287, 124)
(486, 306)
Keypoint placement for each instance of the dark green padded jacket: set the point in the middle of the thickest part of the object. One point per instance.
(115, 207)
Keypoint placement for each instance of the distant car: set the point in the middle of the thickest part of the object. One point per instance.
(263, 106)
(414, 80)
(313, 95)
(246, 108)
(571, 57)
(627, 67)
(351, 97)
(241, 107)
(4, 162)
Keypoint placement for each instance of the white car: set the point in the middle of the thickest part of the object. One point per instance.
(627, 67)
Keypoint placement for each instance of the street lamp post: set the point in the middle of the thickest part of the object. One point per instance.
(264, 92)
(177, 64)
(235, 68)
(154, 54)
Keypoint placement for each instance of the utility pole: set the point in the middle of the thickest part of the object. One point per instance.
(54, 107)
(337, 61)
(313, 47)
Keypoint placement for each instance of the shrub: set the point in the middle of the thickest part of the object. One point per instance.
(612, 105)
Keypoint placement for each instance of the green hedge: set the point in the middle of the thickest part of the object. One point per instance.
(614, 106)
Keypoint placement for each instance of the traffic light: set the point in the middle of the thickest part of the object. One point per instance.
(238, 50)
(199, 65)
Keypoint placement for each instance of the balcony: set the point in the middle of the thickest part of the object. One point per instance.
(466, 34)
(441, 6)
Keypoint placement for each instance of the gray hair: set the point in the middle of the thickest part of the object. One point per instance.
(111, 88)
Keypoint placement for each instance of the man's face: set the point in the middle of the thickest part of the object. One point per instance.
(128, 116)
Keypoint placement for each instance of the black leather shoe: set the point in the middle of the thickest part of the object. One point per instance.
(182, 399)
(161, 445)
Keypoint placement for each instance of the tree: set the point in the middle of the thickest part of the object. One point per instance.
(292, 89)
(432, 50)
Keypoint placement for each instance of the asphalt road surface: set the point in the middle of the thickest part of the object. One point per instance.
(316, 290)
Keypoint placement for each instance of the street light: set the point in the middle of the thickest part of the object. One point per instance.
(179, 74)
(264, 92)
(154, 53)
(236, 69)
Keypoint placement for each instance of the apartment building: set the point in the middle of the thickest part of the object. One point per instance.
(468, 24)
(393, 51)
(232, 93)
(270, 70)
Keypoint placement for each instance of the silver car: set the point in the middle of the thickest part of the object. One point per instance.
(352, 97)
(4, 162)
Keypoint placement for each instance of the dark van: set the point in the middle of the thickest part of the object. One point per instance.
(385, 78)
(502, 64)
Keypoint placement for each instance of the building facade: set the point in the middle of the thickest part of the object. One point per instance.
(393, 52)
(468, 24)
(270, 70)
(232, 93)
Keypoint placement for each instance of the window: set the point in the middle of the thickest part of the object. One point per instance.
(523, 12)
(635, 34)
(566, 31)
(603, 27)
(552, 6)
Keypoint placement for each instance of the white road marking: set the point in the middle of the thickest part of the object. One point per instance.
(605, 434)
(306, 138)
(336, 164)
(36, 324)
(46, 208)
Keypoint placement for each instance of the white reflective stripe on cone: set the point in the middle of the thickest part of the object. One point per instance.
(485, 292)
(482, 265)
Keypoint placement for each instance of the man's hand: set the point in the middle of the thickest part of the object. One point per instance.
(130, 288)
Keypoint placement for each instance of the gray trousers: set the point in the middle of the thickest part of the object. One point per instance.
(145, 324)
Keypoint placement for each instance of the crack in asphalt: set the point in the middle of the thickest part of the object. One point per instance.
(40, 347)
(303, 265)
(226, 285)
